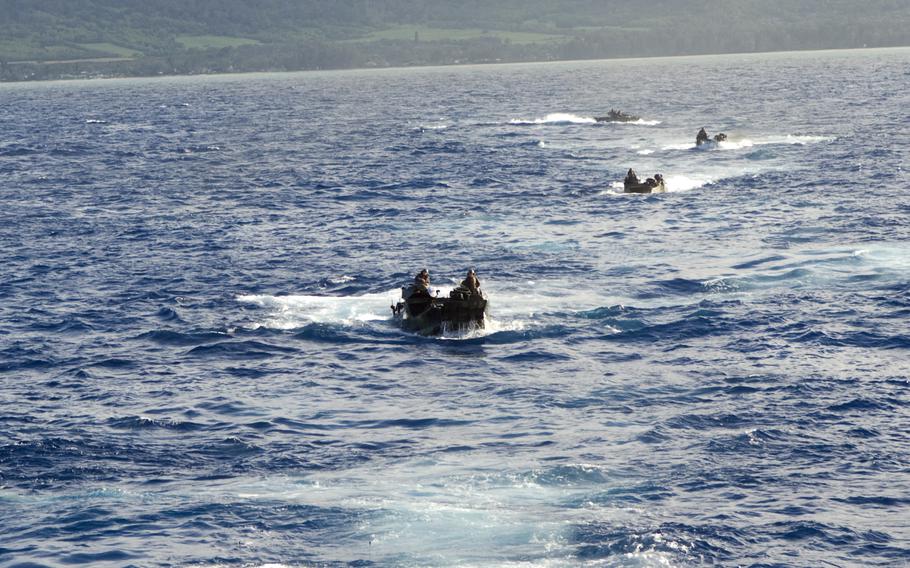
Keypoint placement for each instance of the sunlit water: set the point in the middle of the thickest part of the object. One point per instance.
(199, 366)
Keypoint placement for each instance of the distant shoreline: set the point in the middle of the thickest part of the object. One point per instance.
(101, 76)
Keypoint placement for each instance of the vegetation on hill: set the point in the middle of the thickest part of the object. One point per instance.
(59, 38)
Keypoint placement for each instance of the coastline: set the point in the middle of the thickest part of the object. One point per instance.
(86, 76)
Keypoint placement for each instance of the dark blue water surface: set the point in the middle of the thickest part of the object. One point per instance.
(198, 366)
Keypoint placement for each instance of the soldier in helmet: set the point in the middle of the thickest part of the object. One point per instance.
(422, 282)
(471, 282)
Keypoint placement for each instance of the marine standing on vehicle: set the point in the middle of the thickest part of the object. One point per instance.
(422, 283)
(471, 282)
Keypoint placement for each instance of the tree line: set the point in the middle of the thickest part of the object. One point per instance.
(44, 39)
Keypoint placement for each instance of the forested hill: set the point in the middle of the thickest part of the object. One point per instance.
(61, 38)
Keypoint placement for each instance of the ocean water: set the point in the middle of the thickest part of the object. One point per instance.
(199, 368)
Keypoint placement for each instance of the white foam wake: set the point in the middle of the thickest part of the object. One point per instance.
(794, 139)
(434, 513)
(734, 143)
(556, 118)
(725, 145)
(674, 183)
(514, 306)
(569, 118)
(639, 122)
(892, 258)
(295, 311)
(436, 126)
(819, 269)
(291, 312)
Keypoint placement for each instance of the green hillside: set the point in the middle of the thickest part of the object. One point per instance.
(60, 38)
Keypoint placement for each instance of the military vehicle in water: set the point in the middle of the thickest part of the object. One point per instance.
(648, 186)
(632, 184)
(426, 314)
(702, 139)
(617, 116)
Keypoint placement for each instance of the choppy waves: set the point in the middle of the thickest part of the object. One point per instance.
(199, 365)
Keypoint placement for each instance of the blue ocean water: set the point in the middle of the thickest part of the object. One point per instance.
(198, 364)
